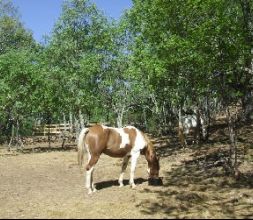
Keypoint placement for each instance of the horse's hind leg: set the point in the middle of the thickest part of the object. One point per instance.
(89, 173)
(123, 168)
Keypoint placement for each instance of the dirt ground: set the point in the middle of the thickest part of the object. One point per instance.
(49, 184)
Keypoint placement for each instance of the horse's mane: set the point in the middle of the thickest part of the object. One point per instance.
(150, 145)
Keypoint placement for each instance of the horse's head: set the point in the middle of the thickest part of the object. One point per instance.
(153, 165)
(153, 170)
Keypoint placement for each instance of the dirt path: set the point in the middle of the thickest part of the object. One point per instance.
(50, 185)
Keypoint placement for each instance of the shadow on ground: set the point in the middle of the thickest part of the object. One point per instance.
(199, 186)
(110, 183)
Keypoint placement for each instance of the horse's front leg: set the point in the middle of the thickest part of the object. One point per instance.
(123, 169)
(133, 166)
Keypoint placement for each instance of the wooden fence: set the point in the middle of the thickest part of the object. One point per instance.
(52, 129)
(57, 129)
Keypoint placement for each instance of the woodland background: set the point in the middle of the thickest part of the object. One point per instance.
(159, 59)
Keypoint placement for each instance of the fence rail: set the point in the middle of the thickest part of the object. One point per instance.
(52, 129)
(58, 129)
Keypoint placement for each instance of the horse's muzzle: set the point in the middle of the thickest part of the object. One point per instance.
(155, 181)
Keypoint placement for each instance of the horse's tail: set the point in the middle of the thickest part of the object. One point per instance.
(80, 145)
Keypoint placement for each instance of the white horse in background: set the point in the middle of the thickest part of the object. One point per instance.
(189, 123)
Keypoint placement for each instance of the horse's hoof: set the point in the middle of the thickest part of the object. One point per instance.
(155, 181)
(90, 192)
(133, 186)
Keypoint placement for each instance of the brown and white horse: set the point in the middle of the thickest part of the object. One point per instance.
(126, 143)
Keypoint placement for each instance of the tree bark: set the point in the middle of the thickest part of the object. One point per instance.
(181, 135)
(120, 114)
(81, 120)
(12, 136)
(248, 69)
(233, 155)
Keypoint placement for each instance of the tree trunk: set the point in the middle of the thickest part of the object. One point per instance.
(49, 138)
(233, 156)
(197, 129)
(64, 133)
(15, 137)
(12, 136)
(71, 123)
(81, 120)
(145, 123)
(247, 105)
(181, 135)
(120, 118)
(77, 128)
(18, 138)
(248, 35)
(49, 120)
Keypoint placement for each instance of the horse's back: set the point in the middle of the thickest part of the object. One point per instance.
(115, 142)
(96, 138)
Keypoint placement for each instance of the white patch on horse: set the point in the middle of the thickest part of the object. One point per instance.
(124, 136)
(140, 142)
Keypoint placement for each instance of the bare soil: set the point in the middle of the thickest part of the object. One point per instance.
(49, 184)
